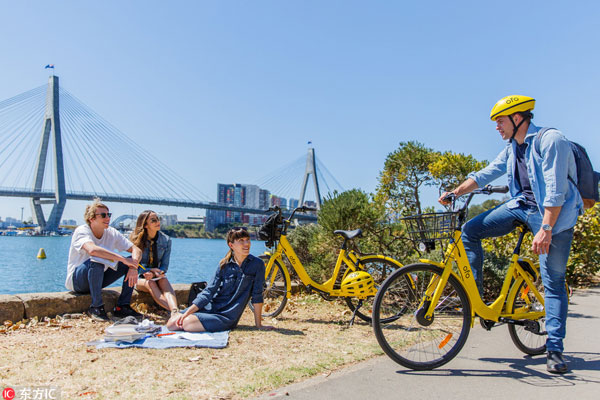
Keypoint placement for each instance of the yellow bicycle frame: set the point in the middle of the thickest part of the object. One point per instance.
(455, 252)
(349, 258)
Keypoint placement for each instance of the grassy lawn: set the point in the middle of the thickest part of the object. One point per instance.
(312, 337)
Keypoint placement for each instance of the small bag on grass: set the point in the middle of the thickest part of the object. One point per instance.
(195, 290)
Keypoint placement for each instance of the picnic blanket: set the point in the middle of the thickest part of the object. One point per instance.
(214, 340)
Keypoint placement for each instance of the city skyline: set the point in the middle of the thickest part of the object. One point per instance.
(270, 200)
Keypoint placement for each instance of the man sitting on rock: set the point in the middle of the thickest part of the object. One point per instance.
(94, 264)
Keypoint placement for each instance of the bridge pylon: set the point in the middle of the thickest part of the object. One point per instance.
(311, 169)
(51, 128)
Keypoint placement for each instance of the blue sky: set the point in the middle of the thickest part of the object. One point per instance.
(231, 91)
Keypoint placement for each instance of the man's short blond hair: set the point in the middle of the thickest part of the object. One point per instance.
(90, 210)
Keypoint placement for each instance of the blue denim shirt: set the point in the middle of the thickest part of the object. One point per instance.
(163, 248)
(232, 286)
(549, 175)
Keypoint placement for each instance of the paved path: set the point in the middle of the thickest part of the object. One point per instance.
(488, 367)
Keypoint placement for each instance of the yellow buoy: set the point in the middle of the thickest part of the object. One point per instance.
(41, 254)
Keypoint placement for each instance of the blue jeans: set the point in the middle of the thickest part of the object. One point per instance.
(499, 222)
(90, 278)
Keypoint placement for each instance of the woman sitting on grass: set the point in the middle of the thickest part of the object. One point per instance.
(239, 277)
(156, 252)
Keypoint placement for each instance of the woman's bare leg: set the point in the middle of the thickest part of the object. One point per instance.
(144, 285)
(191, 323)
(167, 293)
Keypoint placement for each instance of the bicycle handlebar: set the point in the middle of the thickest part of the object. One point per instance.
(277, 209)
(487, 189)
(450, 197)
(297, 209)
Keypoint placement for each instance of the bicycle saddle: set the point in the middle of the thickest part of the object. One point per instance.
(349, 234)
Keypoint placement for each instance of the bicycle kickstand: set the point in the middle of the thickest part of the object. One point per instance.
(360, 302)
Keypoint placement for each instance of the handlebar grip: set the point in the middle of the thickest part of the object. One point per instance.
(498, 189)
(309, 209)
(449, 197)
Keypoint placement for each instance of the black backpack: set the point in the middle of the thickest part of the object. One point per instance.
(587, 178)
(195, 290)
(270, 231)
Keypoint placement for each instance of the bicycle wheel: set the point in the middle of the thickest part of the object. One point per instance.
(275, 291)
(529, 339)
(407, 337)
(379, 270)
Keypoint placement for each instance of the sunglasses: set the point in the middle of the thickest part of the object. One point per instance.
(239, 228)
(104, 215)
(153, 220)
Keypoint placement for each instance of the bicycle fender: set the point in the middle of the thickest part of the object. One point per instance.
(428, 261)
(382, 257)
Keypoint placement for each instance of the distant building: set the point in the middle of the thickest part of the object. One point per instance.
(11, 222)
(192, 220)
(310, 203)
(214, 218)
(293, 203)
(234, 194)
(244, 195)
(263, 199)
(252, 198)
(281, 202)
(241, 195)
(69, 222)
(167, 219)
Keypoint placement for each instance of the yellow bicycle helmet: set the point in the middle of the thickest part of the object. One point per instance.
(358, 283)
(512, 104)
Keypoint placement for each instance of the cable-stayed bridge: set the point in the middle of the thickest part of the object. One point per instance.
(46, 154)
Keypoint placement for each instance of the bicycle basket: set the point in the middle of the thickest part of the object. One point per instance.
(432, 226)
(270, 231)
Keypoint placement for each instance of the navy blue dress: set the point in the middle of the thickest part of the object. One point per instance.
(222, 303)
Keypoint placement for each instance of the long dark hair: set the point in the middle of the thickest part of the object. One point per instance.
(139, 236)
(233, 235)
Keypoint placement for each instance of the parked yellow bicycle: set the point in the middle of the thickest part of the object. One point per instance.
(423, 312)
(356, 277)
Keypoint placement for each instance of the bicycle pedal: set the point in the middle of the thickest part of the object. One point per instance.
(486, 324)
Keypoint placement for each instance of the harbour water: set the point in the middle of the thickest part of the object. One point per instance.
(192, 260)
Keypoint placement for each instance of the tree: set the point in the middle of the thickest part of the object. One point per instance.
(405, 171)
(584, 262)
(351, 209)
(483, 207)
(451, 169)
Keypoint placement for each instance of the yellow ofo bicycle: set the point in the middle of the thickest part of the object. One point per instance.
(356, 277)
(423, 312)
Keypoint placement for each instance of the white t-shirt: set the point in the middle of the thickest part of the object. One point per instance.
(111, 240)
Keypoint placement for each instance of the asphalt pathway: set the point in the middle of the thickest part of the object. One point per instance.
(488, 367)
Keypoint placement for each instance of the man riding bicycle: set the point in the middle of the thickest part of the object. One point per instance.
(543, 196)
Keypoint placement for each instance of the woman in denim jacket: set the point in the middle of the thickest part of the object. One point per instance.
(156, 251)
(240, 277)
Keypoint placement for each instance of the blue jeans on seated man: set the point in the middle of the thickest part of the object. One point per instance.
(499, 221)
(90, 277)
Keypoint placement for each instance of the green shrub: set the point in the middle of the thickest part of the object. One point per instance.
(584, 262)
(316, 252)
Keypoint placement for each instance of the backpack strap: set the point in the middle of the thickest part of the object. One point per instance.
(537, 142)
